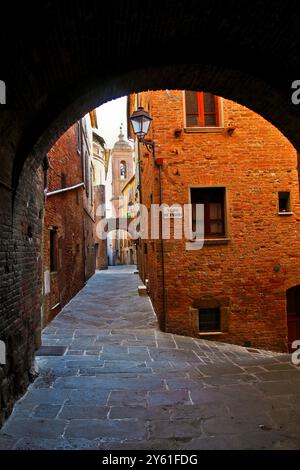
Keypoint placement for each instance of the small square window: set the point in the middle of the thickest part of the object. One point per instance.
(209, 320)
(284, 204)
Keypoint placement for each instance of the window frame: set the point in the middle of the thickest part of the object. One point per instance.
(215, 238)
(123, 164)
(288, 211)
(201, 111)
(219, 113)
(210, 331)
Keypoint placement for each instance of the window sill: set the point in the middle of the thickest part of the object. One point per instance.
(211, 333)
(212, 241)
(195, 130)
(285, 213)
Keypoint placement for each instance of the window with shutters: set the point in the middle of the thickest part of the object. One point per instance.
(202, 109)
(213, 199)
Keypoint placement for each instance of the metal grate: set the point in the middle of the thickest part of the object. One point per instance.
(209, 319)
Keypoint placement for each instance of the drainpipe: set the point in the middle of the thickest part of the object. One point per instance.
(162, 253)
(140, 176)
(151, 146)
(140, 192)
(64, 190)
(140, 202)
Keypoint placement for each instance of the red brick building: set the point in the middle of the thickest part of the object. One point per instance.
(68, 238)
(241, 287)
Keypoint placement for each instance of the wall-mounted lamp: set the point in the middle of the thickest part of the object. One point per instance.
(140, 121)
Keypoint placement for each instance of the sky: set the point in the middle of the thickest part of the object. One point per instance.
(110, 116)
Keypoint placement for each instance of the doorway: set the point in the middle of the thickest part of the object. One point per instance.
(293, 314)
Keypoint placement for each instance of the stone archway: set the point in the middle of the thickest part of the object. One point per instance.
(60, 63)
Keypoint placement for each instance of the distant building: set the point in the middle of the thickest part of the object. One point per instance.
(99, 177)
(68, 238)
(99, 157)
(86, 125)
(122, 169)
(127, 245)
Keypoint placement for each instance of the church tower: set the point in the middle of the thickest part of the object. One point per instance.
(122, 169)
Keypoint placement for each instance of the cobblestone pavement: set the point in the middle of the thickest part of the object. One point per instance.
(123, 384)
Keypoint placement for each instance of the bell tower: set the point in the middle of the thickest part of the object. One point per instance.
(122, 169)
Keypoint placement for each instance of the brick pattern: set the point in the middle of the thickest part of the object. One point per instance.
(249, 275)
(74, 227)
(20, 284)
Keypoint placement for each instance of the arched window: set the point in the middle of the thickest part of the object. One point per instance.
(123, 170)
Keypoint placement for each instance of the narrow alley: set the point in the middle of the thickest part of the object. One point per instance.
(109, 379)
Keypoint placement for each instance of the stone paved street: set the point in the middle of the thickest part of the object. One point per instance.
(123, 384)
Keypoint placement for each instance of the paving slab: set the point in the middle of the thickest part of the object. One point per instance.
(35, 427)
(124, 384)
(106, 429)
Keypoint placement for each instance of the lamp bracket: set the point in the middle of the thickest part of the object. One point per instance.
(149, 144)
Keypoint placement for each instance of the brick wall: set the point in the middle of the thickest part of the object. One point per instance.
(20, 286)
(89, 243)
(249, 275)
(64, 212)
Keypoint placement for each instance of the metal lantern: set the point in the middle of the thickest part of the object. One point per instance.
(140, 121)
